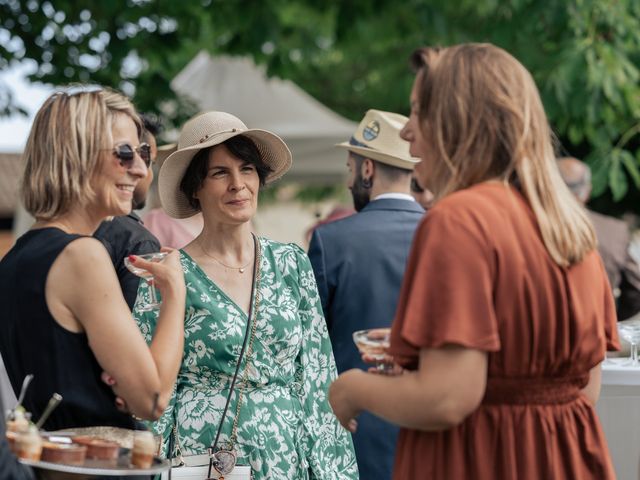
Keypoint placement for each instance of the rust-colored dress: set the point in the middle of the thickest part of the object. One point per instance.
(479, 276)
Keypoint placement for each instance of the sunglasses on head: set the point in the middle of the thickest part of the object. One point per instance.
(126, 154)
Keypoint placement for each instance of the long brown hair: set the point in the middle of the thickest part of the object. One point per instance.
(483, 119)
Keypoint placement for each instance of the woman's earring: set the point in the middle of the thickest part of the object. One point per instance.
(366, 183)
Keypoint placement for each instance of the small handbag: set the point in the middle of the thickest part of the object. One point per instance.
(196, 467)
(220, 463)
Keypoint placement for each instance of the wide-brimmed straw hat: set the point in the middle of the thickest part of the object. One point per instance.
(204, 131)
(164, 151)
(378, 138)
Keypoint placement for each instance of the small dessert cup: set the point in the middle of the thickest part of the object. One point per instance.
(28, 444)
(64, 453)
(144, 449)
(99, 449)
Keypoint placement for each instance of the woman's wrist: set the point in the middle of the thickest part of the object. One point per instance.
(176, 291)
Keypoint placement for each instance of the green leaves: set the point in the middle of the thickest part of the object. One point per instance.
(617, 178)
(631, 164)
(352, 56)
(614, 171)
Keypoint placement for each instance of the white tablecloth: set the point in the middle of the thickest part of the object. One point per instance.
(619, 412)
(617, 371)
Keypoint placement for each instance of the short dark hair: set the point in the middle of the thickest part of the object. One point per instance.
(357, 159)
(391, 172)
(384, 170)
(240, 146)
(152, 123)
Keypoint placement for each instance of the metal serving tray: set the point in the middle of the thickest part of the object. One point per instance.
(99, 467)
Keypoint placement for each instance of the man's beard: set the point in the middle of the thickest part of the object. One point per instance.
(361, 195)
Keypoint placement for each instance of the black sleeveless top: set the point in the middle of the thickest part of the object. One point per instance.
(31, 341)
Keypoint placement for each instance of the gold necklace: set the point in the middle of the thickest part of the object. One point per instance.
(240, 269)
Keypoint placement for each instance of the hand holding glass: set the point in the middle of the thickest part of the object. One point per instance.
(374, 343)
(146, 275)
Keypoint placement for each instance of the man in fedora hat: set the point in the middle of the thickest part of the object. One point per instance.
(359, 261)
(127, 235)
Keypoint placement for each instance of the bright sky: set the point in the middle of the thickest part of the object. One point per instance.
(14, 130)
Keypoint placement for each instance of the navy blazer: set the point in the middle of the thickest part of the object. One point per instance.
(359, 262)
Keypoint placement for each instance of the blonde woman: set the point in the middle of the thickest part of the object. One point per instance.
(64, 318)
(505, 313)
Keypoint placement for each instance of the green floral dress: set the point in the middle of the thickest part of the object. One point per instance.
(286, 429)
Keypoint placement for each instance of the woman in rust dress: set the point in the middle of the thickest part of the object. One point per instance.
(505, 313)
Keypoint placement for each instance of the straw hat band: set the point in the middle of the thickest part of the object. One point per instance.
(209, 136)
(356, 143)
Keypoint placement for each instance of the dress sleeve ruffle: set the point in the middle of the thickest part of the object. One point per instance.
(447, 292)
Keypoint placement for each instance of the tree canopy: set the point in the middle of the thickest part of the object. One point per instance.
(351, 56)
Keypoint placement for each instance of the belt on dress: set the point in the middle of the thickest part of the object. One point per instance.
(533, 390)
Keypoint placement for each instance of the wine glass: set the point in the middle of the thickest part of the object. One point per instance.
(156, 257)
(374, 343)
(631, 333)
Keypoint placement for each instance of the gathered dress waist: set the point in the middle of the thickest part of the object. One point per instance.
(533, 390)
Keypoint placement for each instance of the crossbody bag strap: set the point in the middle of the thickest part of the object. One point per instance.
(256, 266)
(174, 441)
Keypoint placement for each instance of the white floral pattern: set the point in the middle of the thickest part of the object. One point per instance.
(286, 428)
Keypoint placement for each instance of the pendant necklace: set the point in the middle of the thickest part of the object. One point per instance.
(241, 269)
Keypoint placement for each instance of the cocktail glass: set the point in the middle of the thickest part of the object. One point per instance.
(153, 303)
(374, 343)
(631, 333)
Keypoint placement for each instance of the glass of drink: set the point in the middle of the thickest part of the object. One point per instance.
(153, 303)
(374, 343)
(631, 333)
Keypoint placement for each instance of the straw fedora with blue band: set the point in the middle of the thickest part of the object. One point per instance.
(378, 138)
(207, 130)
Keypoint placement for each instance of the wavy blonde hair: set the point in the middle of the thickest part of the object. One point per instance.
(69, 134)
(481, 114)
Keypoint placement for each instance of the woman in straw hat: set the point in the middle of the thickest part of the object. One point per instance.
(64, 317)
(505, 313)
(253, 317)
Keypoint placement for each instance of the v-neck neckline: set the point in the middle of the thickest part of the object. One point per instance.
(257, 256)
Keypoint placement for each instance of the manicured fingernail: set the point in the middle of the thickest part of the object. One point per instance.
(132, 258)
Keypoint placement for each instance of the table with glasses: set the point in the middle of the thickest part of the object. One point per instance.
(619, 412)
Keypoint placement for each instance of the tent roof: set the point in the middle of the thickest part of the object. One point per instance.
(236, 85)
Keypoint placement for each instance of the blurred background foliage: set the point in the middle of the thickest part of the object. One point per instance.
(352, 55)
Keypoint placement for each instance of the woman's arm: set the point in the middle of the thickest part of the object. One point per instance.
(83, 294)
(592, 390)
(448, 386)
(147, 321)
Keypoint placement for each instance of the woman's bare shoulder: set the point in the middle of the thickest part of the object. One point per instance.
(85, 254)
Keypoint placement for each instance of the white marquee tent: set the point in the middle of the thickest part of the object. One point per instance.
(236, 85)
